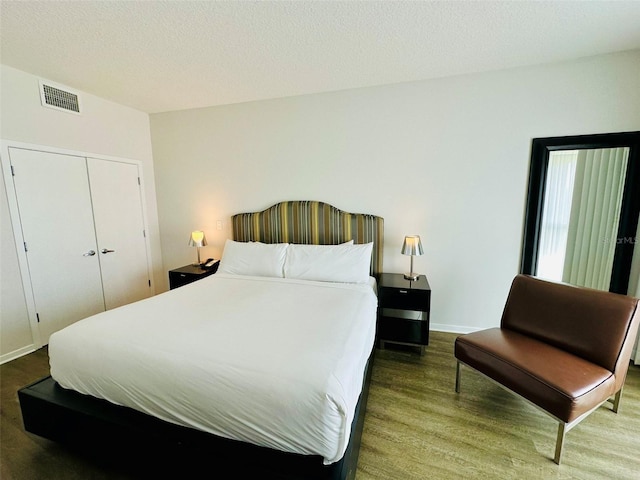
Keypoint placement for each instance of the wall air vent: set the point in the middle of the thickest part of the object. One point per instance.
(59, 97)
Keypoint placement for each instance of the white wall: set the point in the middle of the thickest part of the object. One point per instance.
(104, 128)
(446, 159)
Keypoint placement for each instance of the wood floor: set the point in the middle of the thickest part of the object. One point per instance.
(416, 427)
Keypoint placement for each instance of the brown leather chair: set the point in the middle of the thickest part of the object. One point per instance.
(563, 348)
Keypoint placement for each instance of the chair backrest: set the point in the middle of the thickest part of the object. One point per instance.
(598, 326)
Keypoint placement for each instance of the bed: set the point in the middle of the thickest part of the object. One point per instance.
(268, 360)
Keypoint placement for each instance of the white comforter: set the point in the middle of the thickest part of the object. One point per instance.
(270, 361)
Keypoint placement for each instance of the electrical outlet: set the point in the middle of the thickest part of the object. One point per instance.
(219, 225)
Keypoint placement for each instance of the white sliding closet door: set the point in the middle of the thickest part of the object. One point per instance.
(117, 209)
(54, 204)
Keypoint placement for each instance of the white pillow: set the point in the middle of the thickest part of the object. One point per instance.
(253, 258)
(346, 263)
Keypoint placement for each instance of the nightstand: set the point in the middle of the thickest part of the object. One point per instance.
(403, 310)
(188, 274)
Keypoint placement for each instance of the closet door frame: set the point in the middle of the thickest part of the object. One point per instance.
(17, 228)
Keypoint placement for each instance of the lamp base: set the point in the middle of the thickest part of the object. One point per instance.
(198, 263)
(412, 276)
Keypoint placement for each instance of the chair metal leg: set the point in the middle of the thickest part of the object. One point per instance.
(616, 401)
(563, 427)
(560, 441)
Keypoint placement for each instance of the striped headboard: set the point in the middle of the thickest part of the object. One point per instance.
(311, 222)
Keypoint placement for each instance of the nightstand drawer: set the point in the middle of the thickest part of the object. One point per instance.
(188, 274)
(403, 330)
(179, 279)
(405, 298)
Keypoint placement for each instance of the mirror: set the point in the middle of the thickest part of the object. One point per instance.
(582, 209)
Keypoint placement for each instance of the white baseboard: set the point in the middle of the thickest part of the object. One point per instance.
(441, 327)
(7, 357)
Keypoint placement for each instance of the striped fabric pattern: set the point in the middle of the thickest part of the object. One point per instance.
(311, 222)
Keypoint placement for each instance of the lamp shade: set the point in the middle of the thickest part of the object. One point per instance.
(197, 239)
(412, 245)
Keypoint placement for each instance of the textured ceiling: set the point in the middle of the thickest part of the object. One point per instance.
(158, 56)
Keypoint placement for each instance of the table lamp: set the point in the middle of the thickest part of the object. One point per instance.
(197, 239)
(412, 246)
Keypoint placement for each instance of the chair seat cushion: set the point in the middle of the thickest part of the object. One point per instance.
(564, 385)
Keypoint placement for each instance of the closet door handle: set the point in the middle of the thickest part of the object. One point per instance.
(106, 250)
(90, 253)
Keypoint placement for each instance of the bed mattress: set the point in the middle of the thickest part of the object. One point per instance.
(271, 361)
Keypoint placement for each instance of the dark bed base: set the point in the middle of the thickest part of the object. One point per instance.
(100, 428)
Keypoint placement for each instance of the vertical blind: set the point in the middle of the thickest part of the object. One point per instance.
(595, 214)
